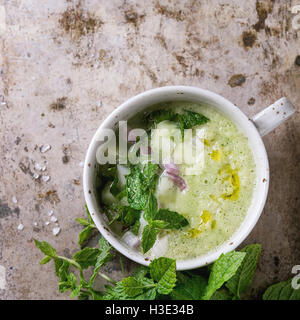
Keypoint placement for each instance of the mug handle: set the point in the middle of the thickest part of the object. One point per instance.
(271, 117)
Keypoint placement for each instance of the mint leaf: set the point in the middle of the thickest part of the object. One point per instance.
(136, 227)
(85, 234)
(221, 294)
(88, 214)
(160, 224)
(139, 182)
(114, 187)
(282, 291)
(130, 216)
(163, 271)
(140, 272)
(192, 289)
(148, 237)
(174, 219)
(149, 172)
(189, 119)
(45, 260)
(70, 283)
(104, 256)
(132, 287)
(83, 222)
(151, 208)
(46, 248)
(222, 270)
(86, 257)
(161, 115)
(62, 269)
(113, 212)
(148, 295)
(242, 280)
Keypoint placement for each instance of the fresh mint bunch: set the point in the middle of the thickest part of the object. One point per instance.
(228, 278)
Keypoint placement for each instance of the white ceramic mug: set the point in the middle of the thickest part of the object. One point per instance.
(253, 129)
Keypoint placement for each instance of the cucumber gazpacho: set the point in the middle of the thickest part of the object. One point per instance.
(176, 207)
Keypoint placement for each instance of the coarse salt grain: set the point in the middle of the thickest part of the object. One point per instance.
(36, 176)
(56, 231)
(20, 227)
(44, 148)
(47, 223)
(53, 219)
(45, 178)
(37, 166)
(50, 213)
(14, 200)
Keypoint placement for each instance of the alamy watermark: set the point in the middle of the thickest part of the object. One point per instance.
(295, 280)
(159, 145)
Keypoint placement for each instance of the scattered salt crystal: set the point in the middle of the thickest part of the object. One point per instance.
(36, 176)
(53, 219)
(3, 103)
(20, 227)
(45, 178)
(35, 224)
(37, 166)
(47, 223)
(44, 148)
(14, 200)
(81, 164)
(56, 231)
(44, 168)
(50, 213)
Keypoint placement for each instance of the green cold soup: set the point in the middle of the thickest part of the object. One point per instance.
(177, 209)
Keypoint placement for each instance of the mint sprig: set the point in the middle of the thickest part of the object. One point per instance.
(229, 276)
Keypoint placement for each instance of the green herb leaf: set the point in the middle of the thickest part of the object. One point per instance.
(163, 271)
(70, 283)
(174, 219)
(221, 294)
(88, 214)
(139, 182)
(150, 294)
(242, 280)
(85, 234)
(45, 260)
(104, 256)
(151, 208)
(282, 291)
(83, 222)
(162, 115)
(160, 224)
(148, 237)
(140, 272)
(190, 119)
(130, 216)
(222, 270)
(114, 187)
(86, 257)
(46, 248)
(192, 289)
(136, 227)
(132, 286)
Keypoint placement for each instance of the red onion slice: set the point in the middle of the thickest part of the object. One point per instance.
(171, 168)
(178, 181)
